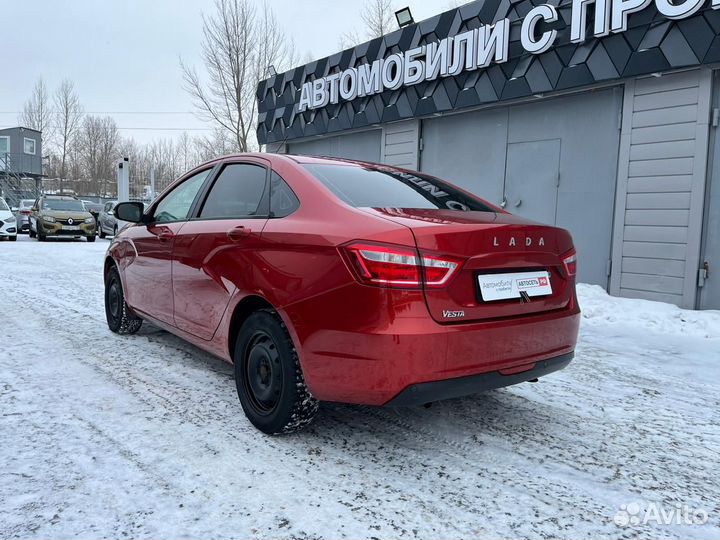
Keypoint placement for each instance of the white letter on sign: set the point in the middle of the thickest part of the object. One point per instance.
(678, 10)
(414, 68)
(305, 100)
(527, 32)
(320, 96)
(493, 40)
(621, 9)
(579, 19)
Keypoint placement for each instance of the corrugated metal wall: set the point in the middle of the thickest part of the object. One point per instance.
(661, 182)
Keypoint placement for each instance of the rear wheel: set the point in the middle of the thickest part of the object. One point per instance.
(41, 237)
(31, 233)
(101, 232)
(268, 376)
(119, 318)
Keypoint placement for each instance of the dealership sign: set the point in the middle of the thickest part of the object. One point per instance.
(478, 48)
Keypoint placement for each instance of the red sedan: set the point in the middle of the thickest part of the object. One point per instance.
(330, 280)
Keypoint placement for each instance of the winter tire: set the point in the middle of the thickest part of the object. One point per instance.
(102, 233)
(31, 233)
(268, 376)
(119, 318)
(90, 238)
(13, 238)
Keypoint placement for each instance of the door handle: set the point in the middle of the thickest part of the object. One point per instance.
(238, 233)
(166, 236)
(518, 203)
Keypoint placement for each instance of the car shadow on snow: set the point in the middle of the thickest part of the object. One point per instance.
(461, 423)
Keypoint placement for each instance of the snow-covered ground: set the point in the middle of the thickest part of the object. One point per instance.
(143, 436)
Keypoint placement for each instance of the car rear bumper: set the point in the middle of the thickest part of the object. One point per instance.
(385, 342)
(419, 394)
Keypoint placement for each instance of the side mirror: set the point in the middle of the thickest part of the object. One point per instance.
(111, 212)
(129, 211)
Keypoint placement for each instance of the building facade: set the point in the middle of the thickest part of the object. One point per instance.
(20, 163)
(599, 116)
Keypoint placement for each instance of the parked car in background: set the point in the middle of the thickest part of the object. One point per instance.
(58, 215)
(107, 223)
(23, 215)
(8, 222)
(94, 208)
(323, 279)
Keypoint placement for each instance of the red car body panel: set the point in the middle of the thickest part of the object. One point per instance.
(356, 343)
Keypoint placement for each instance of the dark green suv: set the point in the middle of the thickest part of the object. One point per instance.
(57, 215)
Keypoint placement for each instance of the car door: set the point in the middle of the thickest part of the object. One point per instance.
(213, 252)
(149, 276)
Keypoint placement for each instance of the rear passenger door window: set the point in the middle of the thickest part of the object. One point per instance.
(238, 192)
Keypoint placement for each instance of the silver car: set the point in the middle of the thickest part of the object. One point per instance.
(23, 215)
(107, 222)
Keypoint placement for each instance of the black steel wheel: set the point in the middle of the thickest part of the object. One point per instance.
(119, 317)
(268, 376)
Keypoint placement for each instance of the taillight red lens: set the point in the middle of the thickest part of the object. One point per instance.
(398, 266)
(570, 264)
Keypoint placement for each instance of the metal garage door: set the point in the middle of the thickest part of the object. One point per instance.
(553, 161)
(709, 297)
(363, 146)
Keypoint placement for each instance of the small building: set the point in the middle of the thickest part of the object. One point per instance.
(20, 163)
(599, 117)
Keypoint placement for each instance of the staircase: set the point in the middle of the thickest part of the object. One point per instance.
(14, 185)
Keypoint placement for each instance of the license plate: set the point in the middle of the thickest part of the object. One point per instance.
(505, 286)
(71, 227)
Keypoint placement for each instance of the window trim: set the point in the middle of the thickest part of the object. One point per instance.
(6, 137)
(211, 174)
(205, 192)
(25, 141)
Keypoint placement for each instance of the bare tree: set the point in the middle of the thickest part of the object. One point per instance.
(69, 114)
(98, 141)
(378, 19)
(240, 42)
(36, 111)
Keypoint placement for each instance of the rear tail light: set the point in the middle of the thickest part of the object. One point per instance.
(399, 266)
(25, 212)
(570, 264)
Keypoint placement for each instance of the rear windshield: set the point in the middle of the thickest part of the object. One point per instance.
(27, 202)
(365, 187)
(63, 205)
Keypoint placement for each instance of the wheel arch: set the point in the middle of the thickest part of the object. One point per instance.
(242, 310)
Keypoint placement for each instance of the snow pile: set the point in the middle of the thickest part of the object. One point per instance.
(599, 308)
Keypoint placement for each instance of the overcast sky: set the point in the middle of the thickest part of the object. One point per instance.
(123, 55)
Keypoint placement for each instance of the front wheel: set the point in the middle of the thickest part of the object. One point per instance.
(90, 238)
(268, 376)
(13, 238)
(119, 318)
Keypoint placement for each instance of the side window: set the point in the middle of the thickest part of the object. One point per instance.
(176, 204)
(237, 192)
(283, 200)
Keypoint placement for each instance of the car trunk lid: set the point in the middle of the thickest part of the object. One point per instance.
(487, 243)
